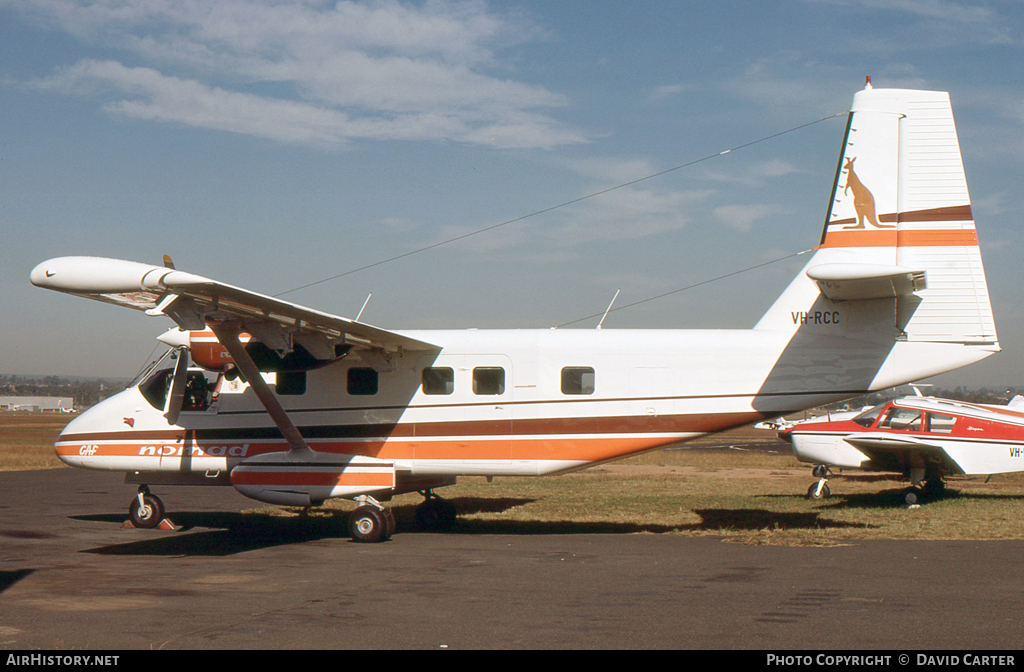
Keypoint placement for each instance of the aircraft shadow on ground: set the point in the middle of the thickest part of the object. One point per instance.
(8, 579)
(230, 533)
(885, 499)
(712, 520)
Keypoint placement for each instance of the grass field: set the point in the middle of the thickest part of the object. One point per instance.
(743, 484)
(26, 440)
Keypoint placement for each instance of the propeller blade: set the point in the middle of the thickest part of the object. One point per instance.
(178, 387)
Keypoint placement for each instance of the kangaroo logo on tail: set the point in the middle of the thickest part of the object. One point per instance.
(863, 201)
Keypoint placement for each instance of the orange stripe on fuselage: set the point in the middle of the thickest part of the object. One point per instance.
(586, 449)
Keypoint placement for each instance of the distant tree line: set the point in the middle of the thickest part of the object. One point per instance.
(85, 391)
(984, 395)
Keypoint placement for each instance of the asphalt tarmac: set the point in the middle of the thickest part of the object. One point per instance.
(72, 578)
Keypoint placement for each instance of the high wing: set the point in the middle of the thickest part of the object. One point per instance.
(192, 300)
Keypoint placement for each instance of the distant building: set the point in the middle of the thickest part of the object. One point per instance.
(64, 404)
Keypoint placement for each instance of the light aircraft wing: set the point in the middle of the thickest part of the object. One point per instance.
(877, 445)
(190, 300)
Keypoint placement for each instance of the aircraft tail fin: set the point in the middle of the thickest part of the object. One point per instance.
(899, 227)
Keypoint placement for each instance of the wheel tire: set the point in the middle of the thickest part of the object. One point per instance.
(390, 524)
(149, 514)
(812, 492)
(368, 525)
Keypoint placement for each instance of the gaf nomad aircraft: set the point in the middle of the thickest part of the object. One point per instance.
(294, 406)
(924, 438)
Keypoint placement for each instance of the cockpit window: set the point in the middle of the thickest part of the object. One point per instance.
(902, 418)
(155, 388)
(157, 381)
(198, 391)
(867, 418)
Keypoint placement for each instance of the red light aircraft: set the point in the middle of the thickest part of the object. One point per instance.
(923, 438)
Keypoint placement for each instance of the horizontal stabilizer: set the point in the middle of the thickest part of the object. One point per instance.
(859, 282)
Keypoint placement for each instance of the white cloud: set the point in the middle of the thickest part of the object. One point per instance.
(753, 175)
(375, 69)
(951, 21)
(743, 217)
(665, 92)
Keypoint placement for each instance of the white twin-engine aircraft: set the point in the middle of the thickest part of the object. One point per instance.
(293, 406)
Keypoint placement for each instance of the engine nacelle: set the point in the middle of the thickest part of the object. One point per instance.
(206, 351)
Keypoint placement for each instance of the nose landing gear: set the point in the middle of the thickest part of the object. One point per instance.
(820, 490)
(146, 510)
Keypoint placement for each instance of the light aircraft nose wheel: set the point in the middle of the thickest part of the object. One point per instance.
(146, 510)
(818, 490)
(369, 524)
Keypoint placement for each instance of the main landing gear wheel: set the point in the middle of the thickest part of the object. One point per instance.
(146, 510)
(435, 514)
(935, 487)
(370, 524)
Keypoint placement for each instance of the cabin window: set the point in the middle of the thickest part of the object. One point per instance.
(577, 380)
(902, 418)
(488, 380)
(941, 424)
(290, 382)
(438, 380)
(362, 381)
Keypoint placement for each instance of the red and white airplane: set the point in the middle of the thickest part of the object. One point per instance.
(294, 406)
(924, 438)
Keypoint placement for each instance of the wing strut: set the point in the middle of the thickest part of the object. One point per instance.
(227, 334)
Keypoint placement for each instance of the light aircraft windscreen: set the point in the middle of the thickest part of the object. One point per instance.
(156, 383)
(868, 417)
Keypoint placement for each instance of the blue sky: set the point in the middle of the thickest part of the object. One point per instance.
(274, 144)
